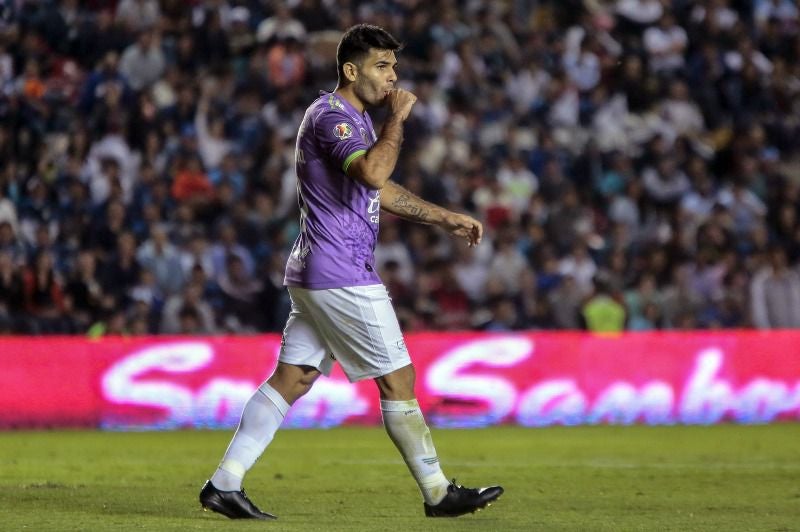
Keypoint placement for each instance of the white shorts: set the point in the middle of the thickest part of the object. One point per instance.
(355, 326)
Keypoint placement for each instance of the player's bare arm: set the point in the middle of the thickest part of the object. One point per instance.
(375, 167)
(400, 202)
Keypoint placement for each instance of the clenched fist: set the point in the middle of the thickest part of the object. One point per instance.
(400, 102)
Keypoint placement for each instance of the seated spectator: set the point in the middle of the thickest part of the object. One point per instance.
(648, 320)
(121, 271)
(43, 298)
(239, 292)
(286, 64)
(227, 244)
(451, 302)
(505, 316)
(138, 15)
(745, 208)
(507, 263)
(158, 256)
(775, 293)
(390, 247)
(212, 144)
(192, 186)
(172, 318)
(10, 244)
(143, 62)
(114, 323)
(666, 44)
(107, 229)
(518, 181)
(580, 266)
(12, 297)
(229, 172)
(281, 25)
(190, 322)
(84, 291)
(602, 312)
(665, 183)
(565, 301)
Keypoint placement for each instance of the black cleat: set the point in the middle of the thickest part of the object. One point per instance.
(460, 500)
(232, 504)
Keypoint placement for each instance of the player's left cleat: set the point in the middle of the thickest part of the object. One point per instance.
(460, 500)
(232, 504)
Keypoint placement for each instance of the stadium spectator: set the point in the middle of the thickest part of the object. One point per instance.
(192, 186)
(43, 297)
(281, 25)
(450, 300)
(188, 311)
(390, 247)
(11, 294)
(84, 293)
(160, 257)
(565, 301)
(602, 312)
(212, 144)
(120, 271)
(138, 15)
(666, 45)
(143, 62)
(240, 292)
(775, 293)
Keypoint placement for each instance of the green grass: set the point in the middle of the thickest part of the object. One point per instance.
(720, 478)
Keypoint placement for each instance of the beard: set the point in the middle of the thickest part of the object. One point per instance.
(369, 92)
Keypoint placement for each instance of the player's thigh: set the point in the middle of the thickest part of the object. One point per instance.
(301, 343)
(360, 327)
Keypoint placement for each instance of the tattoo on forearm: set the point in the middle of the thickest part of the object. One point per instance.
(411, 207)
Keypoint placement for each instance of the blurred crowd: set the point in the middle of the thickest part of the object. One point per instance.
(635, 162)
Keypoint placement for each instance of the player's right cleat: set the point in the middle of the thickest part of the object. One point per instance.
(460, 500)
(232, 504)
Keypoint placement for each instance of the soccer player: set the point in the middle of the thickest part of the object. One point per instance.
(340, 309)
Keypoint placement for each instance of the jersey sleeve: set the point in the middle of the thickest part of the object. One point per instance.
(339, 137)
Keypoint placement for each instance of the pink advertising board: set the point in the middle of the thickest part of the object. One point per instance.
(463, 380)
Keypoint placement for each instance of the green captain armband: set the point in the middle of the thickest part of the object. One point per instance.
(352, 157)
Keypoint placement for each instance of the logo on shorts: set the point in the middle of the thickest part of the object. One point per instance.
(343, 131)
(401, 345)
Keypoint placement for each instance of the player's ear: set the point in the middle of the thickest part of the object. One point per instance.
(350, 71)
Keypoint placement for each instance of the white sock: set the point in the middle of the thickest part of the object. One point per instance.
(412, 437)
(262, 415)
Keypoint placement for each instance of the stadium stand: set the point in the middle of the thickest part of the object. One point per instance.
(635, 162)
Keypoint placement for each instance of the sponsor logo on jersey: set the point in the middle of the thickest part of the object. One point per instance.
(343, 131)
(374, 208)
(374, 203)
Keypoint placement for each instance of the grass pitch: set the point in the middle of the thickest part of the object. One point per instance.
(601, 478)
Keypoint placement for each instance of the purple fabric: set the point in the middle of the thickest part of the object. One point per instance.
(338, 215)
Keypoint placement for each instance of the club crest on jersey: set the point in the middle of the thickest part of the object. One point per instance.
(343, 131)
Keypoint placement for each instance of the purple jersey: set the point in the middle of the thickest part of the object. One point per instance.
(338, 215)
